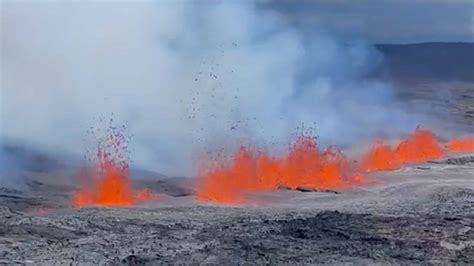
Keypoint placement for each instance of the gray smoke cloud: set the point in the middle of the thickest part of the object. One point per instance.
(184, 76)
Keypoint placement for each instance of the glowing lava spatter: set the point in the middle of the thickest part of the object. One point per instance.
(419, 146)
(380, 157)
(464, 144)
(110, 184)
(302, 165)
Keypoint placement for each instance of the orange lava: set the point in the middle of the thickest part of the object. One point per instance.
(379, 157)
(110, 188)
(302, 165)
(111, 184)
(461, 144)
(421, 145)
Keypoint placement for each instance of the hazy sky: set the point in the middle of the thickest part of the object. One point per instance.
(388, 21)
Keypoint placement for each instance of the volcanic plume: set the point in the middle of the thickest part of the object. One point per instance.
(302, 165)
(419, 146)
(110, 182)
(203, 68)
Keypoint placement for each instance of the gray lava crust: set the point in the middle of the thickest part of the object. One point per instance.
(414, 215)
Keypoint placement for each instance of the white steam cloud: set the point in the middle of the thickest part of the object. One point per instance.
(183, 76)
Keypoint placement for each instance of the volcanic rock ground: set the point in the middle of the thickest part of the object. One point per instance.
(422, 213)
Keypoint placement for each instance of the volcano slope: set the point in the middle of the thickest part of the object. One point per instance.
(416, 214)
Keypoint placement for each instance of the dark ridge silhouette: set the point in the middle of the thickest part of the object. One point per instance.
(23, 157)
(428, 61)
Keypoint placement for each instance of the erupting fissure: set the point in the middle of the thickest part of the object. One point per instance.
(302, 165)
(461, 144)
(421, 145)
(305, 165)
(109, 183)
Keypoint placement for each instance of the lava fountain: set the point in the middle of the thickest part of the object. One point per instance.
(464, 144)
(110, 181)
(419, 146)
(380, 157)
(303, 164)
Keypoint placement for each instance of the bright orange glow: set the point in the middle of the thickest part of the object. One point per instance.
(303, 165)
(379, 157)
(461, 144)
(224, 183)
(110, 188)
(421, 145)
(111, 183)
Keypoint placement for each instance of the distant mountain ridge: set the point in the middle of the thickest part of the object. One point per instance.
(436, 61)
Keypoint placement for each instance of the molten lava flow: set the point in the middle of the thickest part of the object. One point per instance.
(421, 145)
(303, 165)
(110, 185)
(224, 183)
(379, 157)
(111, 188)
(461, 144)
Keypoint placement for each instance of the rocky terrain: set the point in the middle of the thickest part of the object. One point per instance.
(417, 214)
